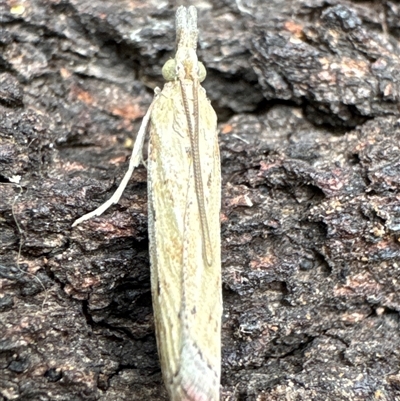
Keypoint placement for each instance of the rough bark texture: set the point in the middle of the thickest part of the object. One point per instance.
(307, 92)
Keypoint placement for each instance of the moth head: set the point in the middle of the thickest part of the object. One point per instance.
(171, 70)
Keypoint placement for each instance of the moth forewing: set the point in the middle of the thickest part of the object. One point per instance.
(186, 290)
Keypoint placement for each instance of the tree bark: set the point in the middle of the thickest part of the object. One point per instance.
(307, 94)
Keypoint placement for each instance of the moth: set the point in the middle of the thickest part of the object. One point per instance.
(184, 198)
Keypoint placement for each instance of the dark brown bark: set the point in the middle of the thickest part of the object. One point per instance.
(307, 94)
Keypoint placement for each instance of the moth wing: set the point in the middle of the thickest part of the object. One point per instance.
(186, 290)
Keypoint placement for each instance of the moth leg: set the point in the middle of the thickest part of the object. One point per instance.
(144, 162)
(133, 163)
